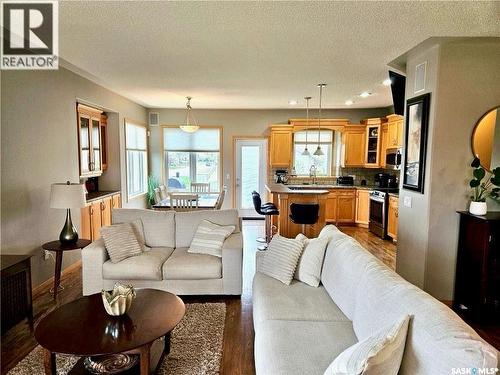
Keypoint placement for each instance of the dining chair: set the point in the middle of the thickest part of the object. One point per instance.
(163, 192)
(157, 195)
(200, 187)
(183, 202)
(220, 199)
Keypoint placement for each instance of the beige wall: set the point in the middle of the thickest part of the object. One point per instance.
(464, 85)
(242, 123)
(39, 147)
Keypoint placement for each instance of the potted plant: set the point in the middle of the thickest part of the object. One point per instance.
(152, 185)
(483, 188)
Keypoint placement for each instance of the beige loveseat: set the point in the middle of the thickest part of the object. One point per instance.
(166, 264)
(300, 329)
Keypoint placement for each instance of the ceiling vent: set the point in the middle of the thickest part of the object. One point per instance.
(154, 118)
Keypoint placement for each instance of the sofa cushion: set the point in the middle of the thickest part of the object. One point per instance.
(183, 265)
(209, 238)
(438, 339)
(121, 241)
(380, 353)
(187, 222)
(298, 301)
(281, 258)
(311, 261)
(300, 347)
(159, 226)
(147, 266)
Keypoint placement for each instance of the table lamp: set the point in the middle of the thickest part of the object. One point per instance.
(67, 196)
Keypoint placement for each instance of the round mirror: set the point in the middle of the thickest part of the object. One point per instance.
(486, 139)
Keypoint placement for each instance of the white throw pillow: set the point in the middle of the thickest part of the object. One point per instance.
(310, 263)
(329, 231)
(209, 238)
(281, 258)
(121, 241)
(378, 354)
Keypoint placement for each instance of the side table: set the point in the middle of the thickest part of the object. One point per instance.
(17, 302)
(59, 249)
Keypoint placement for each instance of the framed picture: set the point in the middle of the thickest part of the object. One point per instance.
(417, 123)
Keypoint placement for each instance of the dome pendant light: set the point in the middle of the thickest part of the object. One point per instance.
(190, 125)
(306, 151)
(318, 151)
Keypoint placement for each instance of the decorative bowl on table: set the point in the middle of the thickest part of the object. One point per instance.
(118, 301)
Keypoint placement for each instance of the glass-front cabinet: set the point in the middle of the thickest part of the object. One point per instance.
(89, 141)
(372, 148)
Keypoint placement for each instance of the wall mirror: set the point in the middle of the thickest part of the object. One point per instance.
(485, 140)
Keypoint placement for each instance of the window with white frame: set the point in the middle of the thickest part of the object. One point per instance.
(192, 157)
(326, 164)
(136, 146)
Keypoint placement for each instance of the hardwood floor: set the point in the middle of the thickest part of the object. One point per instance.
(238, 333)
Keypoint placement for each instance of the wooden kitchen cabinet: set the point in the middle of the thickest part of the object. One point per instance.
(384, 138)
(104, 141)
(90, 145)
(392, 218)
(280, 150)
(395, 129)
(340, 206)
(354, 146)
(97, 214)
(363, 207)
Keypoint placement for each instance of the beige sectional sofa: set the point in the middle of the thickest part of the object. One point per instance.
(166, 264)
(300, 329)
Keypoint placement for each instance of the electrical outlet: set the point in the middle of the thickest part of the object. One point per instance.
(46, 255)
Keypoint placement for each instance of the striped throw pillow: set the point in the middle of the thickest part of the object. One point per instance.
(380, 353)
(209, 238)
(121, 241)
(281, 258)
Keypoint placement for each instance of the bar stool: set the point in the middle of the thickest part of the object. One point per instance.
(268, 210)
(304, 214)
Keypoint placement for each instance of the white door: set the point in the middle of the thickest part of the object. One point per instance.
(251, 173)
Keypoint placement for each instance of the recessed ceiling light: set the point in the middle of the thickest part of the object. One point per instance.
(293, 102)
(387, 82)
(365, 94)
(349, 102)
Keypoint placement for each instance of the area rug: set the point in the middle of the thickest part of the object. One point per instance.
(195, 346)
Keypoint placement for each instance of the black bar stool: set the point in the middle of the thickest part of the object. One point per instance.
(268, 210)
(304, 213)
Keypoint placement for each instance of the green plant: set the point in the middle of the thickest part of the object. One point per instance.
(153, 183)
(484, 189)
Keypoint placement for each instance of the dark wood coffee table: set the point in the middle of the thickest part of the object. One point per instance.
(83, 328)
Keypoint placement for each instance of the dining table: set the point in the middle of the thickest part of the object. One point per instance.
(206, 201)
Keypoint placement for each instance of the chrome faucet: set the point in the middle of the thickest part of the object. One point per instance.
(312, 173)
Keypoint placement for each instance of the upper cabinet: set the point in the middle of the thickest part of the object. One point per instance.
(372, 152)
(384, 138)
(89, 141)
(395, 131)
(280, 150)
(104, 141)
(354, 145)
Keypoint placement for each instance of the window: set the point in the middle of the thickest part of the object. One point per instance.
(137, 159)
(192, 157)
(325, 164)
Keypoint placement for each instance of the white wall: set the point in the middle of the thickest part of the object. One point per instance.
(242, 123)
(39, 147)
(464, 84)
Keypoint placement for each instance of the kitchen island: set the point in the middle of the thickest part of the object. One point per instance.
(283, 196)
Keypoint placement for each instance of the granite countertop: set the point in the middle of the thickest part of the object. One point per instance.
(285, 189)
(394, 195)
(94, 195)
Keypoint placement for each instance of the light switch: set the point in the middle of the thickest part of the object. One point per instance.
(407, 201)
(227, 176)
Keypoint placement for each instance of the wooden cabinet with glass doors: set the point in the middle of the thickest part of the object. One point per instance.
(89, 141)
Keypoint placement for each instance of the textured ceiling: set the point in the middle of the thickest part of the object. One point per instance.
(255, 54)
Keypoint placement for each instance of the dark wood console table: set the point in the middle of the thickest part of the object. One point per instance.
(477, 281)
(16, 290)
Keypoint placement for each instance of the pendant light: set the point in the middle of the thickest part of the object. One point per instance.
(318, 151)
(306, 151)
(190, 125)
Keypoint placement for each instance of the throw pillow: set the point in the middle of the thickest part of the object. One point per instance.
(329, 231)
(311, 262)
(380, 353)
(121, 241)
(281, 258)
(209, 238)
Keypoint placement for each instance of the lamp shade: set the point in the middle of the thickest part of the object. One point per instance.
(66, 195)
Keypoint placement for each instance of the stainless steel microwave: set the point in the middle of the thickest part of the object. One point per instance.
(393, 158)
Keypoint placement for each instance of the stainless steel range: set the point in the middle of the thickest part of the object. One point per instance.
(379, 202)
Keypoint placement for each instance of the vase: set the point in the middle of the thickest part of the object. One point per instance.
(119, 300)
(478, 208)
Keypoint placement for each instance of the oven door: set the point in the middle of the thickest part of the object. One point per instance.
(377, 216)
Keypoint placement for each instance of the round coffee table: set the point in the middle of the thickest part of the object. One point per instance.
(83, 328)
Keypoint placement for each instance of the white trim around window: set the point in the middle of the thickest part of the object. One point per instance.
(136, 158)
